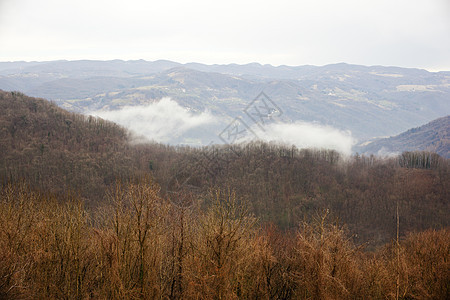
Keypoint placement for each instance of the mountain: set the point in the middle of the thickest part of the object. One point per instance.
(434, 137)
(86, 68)
(368, 101)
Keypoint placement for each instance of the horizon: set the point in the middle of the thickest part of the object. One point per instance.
(222, 64)
(406, 33)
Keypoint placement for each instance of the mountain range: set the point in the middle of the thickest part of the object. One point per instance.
(368, 101)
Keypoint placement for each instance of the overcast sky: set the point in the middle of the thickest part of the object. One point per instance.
(406, 33)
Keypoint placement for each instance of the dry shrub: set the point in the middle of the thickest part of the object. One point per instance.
(324, 265)
(275, 259)
(222, 250)
(427, 258)
(416, 268)
(144, 247)
(44, 246)
(63, 259)
(380, 274)
(17, 220)
(134, 244)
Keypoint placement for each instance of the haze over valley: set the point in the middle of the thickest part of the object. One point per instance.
(193, 103)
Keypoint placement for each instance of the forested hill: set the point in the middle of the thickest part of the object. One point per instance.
(434, 136)
(60, 152)
(57, 150)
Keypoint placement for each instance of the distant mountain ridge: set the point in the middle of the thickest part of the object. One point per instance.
(369, 101)
(89, 68)
(434, 137)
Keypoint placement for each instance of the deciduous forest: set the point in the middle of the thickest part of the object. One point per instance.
(88, 213)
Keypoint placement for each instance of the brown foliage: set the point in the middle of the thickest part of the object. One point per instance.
(142, 246)
(143, 241)
(59, 152)
(325, 262)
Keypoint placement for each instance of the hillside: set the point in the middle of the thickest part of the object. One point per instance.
(433, 137)
(368, 101)
(59, 151)
(62, 152)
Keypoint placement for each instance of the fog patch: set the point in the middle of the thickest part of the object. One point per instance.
(386, 153)
(164, 121)
(307, 135)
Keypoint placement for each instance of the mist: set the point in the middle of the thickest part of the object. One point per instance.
(386, 153)
(307, 135)
(164, 121)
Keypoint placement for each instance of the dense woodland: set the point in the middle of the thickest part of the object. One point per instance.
(86, 213)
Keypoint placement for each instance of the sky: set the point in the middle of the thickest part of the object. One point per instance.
(405, 33)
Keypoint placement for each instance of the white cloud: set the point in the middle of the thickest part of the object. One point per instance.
(383, 152)
(166, 121)
(163, 121)
(307, 135)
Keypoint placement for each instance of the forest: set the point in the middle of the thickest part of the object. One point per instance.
(87, 213)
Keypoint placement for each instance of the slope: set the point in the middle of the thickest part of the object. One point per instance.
(59, 151)
(434, 137)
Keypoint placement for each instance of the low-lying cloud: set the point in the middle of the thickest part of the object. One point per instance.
(384, 152)
(166, 121)
(307, 135)
(163, 121)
